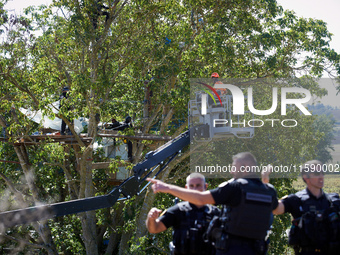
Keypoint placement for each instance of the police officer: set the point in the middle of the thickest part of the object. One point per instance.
(189, 221)
(315, 225)
(248, 207)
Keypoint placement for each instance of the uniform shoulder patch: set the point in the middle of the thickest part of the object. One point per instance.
(225, 183)
(270, 185)
(184, 206)
(284, 197)
(163, 212)
(242, 181)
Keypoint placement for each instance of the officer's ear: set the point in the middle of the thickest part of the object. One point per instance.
(206, 186)
(304, 177)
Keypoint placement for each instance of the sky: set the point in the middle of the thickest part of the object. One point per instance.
(326, 10)
(18, 5)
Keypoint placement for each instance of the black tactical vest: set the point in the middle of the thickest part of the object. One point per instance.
(319, 225)
(188, 238)
(308, 204)
(251, 218)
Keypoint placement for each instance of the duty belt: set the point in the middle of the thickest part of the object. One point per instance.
(314, 250)
(237, 240)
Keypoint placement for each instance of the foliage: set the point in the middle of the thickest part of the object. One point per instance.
(324, 124)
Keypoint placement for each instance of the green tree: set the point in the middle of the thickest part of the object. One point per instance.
(136, 57)
(324, 125)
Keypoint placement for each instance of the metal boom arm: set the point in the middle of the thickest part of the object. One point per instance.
(128, 188)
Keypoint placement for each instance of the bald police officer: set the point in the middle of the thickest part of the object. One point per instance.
(189, 221)
(248, 207)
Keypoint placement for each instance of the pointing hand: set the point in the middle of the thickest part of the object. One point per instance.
(158, 186)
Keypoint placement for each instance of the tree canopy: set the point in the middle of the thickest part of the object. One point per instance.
(135, 58)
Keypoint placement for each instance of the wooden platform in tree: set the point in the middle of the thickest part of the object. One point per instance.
(70, 139)
(115, 134)
(53, 138)
(104, 165)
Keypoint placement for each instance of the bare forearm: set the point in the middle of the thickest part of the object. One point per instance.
(265, 178)
(280, 209)
(193, 196)
(154, 226)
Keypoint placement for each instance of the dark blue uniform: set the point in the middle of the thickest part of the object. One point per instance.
(189, 224)
(311, 229)
(249, 213)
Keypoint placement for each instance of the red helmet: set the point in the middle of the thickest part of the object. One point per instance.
(215, 75)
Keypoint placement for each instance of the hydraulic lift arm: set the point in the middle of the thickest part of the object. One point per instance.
(154, 160)
(130, 187)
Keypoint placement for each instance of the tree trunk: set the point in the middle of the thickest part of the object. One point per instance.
(88, 222)
(124, 247)
(140, 221)
(43, 229)
(88, 219)
(117, 222)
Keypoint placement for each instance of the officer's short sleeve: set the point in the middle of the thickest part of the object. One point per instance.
(169, 218)
(291, 203)
(229, 194)
(275, 201)
(335, 199)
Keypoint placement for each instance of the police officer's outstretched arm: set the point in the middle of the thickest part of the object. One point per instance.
(153, 224)
(193, 196)
(280, 209)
